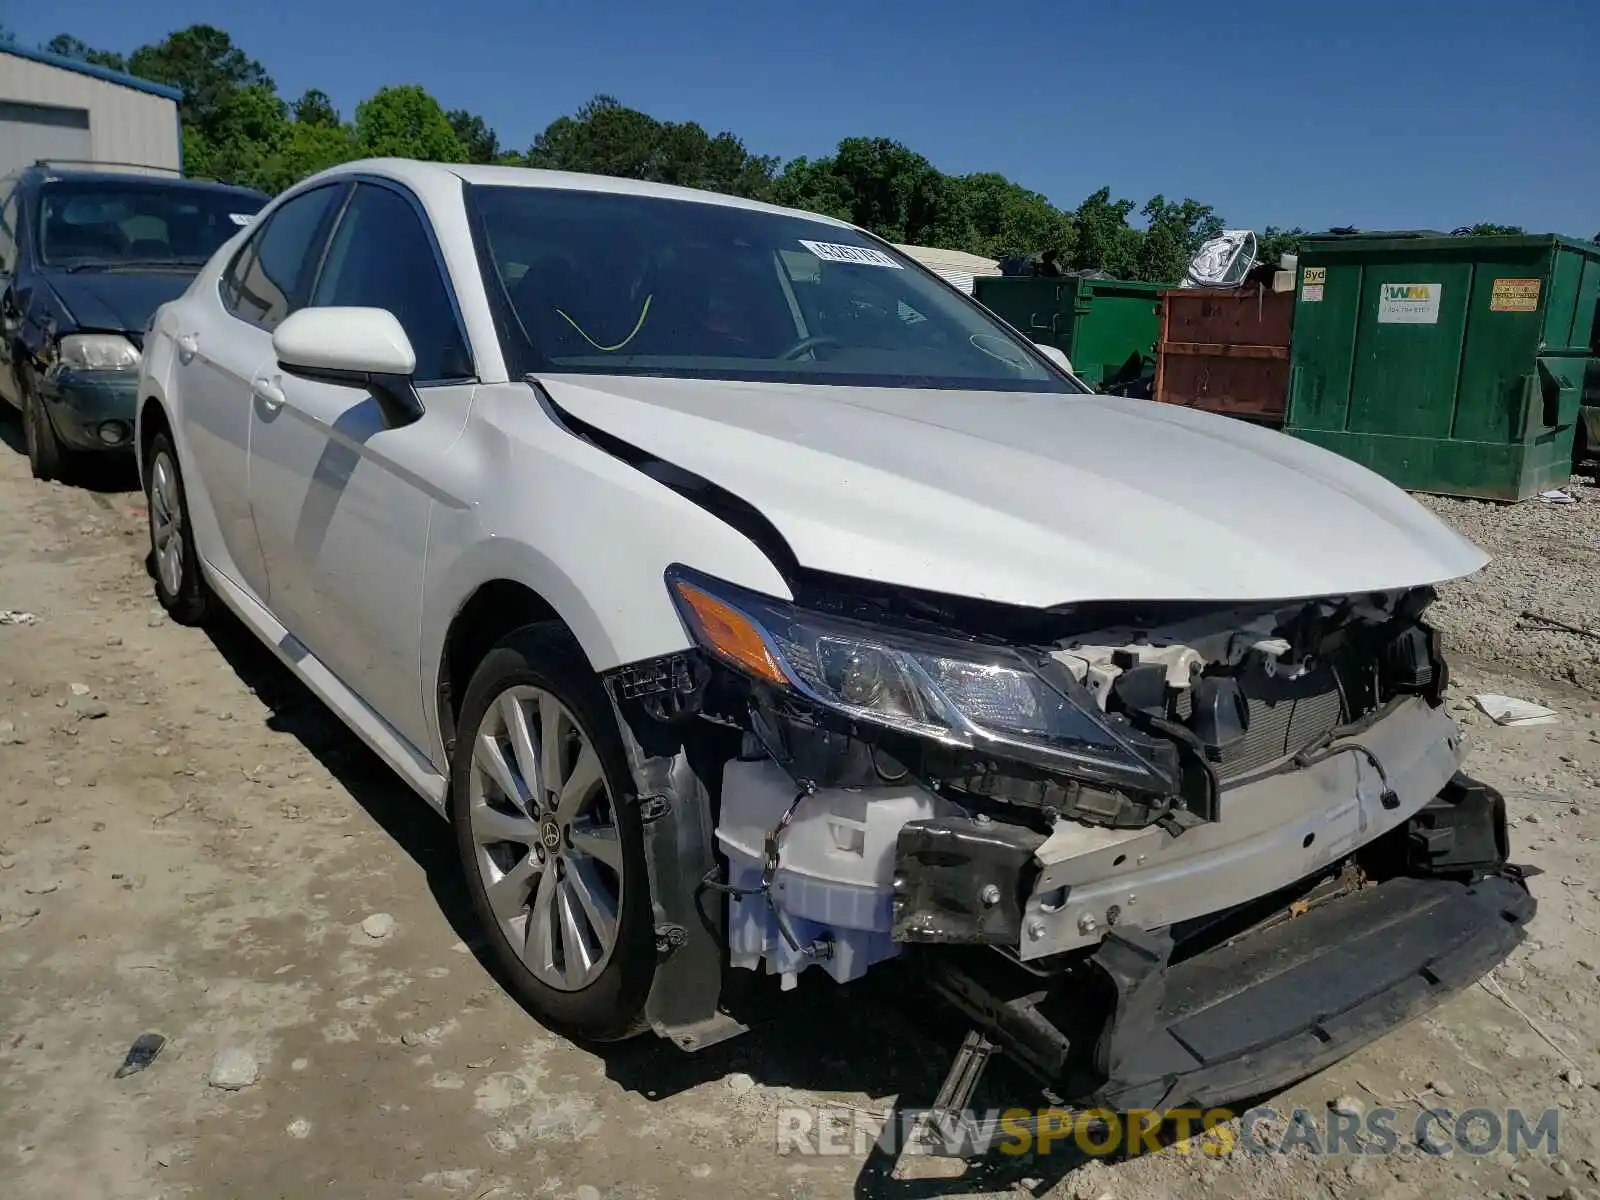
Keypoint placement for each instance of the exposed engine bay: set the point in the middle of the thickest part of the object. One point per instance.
(1156, 850)
(1130, 842)
(904, 777)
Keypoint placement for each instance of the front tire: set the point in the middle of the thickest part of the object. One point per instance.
(47, 457)
(550, 838)
(180, 587)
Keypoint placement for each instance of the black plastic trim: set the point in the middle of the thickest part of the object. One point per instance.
(396, 394)
(716, 500)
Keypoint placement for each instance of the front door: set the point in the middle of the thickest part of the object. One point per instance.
(340, 495)
(10, 311)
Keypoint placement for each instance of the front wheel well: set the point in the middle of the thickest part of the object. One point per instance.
(152, 420)
(494, 610)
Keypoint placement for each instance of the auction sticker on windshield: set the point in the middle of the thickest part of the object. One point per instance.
(860, 255)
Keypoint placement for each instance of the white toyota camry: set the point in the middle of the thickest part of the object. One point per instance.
(746, 597)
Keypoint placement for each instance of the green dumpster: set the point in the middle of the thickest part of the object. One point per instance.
(1446, 364)
(1107, 327)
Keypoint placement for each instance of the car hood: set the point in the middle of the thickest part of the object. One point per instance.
(117, 300)
(1032, 499)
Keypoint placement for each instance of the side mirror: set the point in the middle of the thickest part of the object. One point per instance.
(1056, 355)
(355, 347)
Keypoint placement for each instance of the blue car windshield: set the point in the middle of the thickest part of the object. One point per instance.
(121, 223)
(621, 284)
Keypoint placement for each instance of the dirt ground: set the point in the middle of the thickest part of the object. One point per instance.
(189, 845)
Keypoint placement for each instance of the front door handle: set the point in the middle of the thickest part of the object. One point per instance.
(268, 393)
(188, 347)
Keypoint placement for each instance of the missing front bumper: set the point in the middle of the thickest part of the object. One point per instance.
(1245, 1000)
(1256, 1013)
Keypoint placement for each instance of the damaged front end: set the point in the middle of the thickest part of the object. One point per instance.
(1063, 814)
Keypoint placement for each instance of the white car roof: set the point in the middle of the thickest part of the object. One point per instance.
(420, 174)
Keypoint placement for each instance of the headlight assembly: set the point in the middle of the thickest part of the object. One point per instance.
(96, 352)
(961, 694)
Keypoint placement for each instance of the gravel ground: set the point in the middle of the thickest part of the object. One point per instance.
(191, 846)
(1546, 560)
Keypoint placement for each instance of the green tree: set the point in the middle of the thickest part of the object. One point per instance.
(688, 156)
(895, 192)
(481, 142)
(876, 183)
(1172, 235)
(203, 61)
(68, 46)
(810, 184)
(605, 137)
(307, 148)
(988, 214)
(1490, 229)
(1273, 243)
(246, 131)
(314, 108)
(405, 122)
(1105, 240)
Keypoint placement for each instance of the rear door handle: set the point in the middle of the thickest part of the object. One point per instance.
(268, 393)
(188, 347)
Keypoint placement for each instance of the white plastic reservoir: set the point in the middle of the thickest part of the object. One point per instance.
(835, 874)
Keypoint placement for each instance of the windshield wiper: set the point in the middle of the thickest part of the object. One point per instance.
(131, 264)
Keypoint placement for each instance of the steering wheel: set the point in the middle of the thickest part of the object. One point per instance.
(808, 343)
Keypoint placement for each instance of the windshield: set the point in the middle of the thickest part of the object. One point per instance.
(121, 223)
(607, 283)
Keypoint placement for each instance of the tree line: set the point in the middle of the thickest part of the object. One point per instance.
(237, 127)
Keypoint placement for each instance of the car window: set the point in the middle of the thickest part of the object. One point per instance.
(381, 257)
(87, 223)
(268, 278)
(612, 283)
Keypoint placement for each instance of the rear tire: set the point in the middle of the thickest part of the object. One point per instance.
(180, 586)
(549, 835)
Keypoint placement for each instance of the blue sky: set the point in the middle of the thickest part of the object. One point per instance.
(1381, 115)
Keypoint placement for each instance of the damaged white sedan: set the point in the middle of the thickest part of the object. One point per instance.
(748, 598)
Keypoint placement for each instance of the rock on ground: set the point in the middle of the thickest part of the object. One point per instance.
(233, 1069)
(378, 926)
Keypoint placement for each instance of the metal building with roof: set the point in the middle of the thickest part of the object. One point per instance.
(59, 108)
(956, 266)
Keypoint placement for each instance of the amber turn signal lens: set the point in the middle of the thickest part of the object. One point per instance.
(731, 634)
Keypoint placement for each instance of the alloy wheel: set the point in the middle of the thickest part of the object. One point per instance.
(544, 837)
(166, 523)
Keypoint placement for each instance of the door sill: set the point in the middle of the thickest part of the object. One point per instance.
(359, 717)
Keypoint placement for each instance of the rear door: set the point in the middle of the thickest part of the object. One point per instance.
(341, 497)
(223, 340)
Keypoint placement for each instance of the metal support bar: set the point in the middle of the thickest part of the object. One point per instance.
(688, 918)
(926, 1154)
